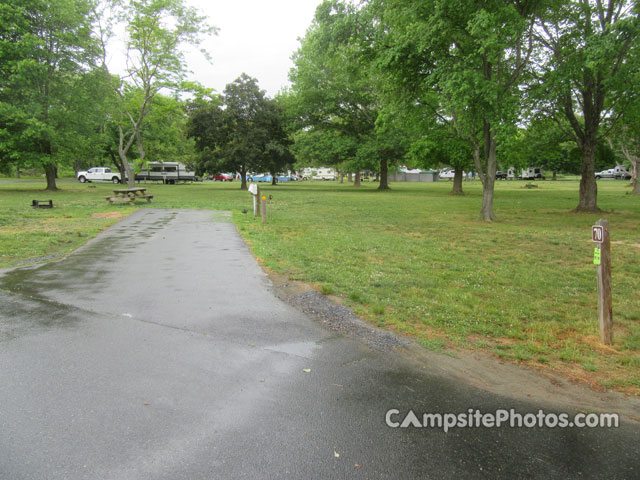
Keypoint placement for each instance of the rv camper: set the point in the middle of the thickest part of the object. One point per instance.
(166, 172)
(532, 173)
(320, 173)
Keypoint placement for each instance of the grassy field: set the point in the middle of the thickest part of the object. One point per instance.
(414, 259)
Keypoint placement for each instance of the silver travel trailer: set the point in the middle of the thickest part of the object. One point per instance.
(166, 172)
(532, 173)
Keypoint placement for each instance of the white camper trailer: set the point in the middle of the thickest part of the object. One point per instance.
(167, 172)
(319, 173)
(532, 173)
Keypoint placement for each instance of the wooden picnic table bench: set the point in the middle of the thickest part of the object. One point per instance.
(129, 195)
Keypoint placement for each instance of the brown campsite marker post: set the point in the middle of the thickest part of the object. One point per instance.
(257, 211)
(264, 209)
(602, 258)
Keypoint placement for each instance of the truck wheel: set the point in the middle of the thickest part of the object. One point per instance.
(115, 180)
(82, 179)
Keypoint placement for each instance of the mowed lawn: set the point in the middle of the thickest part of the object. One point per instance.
(414, 259)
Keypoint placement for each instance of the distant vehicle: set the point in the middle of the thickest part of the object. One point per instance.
(98, 174)
(618, 172)
(222, 177)
(285, 178)
(323, 173)
(532, 173)
(263, 177)
(167, 172)
(447, 173)
(501, 175)
(605, 174)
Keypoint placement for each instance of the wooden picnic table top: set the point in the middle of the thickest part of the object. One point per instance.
(130, 190)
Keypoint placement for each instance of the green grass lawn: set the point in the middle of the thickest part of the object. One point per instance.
(414, 259)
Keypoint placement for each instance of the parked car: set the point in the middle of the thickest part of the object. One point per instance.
(501, 175)
(98, 174)
(263, 177)
(222, 177)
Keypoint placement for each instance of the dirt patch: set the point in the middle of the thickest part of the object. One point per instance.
(108, 215)
(484, 371)
(629, 244)
(480, 369)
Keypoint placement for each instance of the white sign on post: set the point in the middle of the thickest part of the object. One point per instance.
(253, 189)
(597, 233)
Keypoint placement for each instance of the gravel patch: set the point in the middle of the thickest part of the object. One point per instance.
(338, 318)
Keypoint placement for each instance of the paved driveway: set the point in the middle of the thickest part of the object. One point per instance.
(159, 351)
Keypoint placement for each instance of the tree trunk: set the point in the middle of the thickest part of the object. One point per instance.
(116, 161)
(356, 182)
(119, 167)
(457, 181)
(243, 176)
(489, 177)
(588, 202)
(131, 179)
(384, 175)
(350, 177)
(634, 160)
(554, 175)
(50, 172)
(486, 213)
(341, 173)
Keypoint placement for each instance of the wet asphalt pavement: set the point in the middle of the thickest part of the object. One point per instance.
(159, 351)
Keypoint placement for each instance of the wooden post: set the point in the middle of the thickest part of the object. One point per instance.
(605, 306)
(264, 209)
(257, 213)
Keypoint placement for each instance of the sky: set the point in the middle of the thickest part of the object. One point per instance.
(256, 37)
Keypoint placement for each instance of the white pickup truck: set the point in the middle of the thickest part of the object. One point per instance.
(98, 174)
(619, 173)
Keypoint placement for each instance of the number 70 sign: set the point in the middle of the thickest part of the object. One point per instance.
(597, 233)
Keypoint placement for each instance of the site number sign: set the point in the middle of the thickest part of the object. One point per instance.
(597, 233)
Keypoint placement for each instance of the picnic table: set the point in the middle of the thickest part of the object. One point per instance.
(129, 195)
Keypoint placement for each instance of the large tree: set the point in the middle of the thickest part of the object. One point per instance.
(46, 50)
(334, 86)
(155, 32)
(625, 138)
(242, 131)
(163, 132)
(585, 67)
(463, 61)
